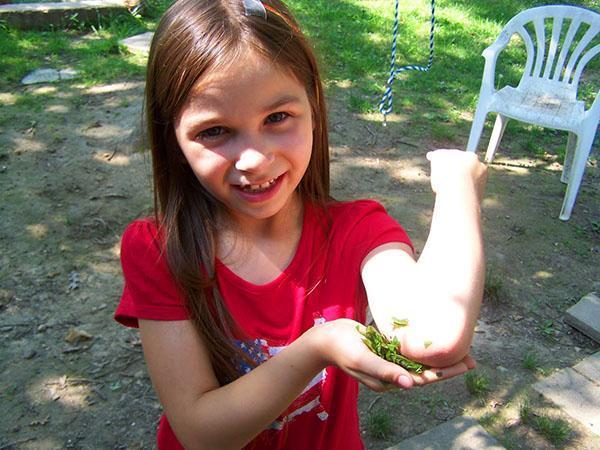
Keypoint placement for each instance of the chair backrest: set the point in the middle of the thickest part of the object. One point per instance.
(562, 57)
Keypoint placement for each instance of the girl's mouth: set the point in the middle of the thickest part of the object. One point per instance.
(256, 188)
(261, 192)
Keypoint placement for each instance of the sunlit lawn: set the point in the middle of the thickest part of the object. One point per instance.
(352, 39)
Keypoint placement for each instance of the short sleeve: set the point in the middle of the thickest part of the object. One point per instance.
(149, 292)
(371, 226)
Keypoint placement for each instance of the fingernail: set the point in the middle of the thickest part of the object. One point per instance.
(404, 381)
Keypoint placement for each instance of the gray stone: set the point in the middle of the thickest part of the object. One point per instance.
(41, 76)
(48, 76)
(53, 15)
(460, 433)
(590, 368)
(140, 43)
(67, 74)
(577, 395)
(585, 316)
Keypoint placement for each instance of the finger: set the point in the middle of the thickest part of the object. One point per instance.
(372, 383)
(470, 362)
(384, 371)
(434, 375)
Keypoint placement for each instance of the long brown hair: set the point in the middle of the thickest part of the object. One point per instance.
(194, 37)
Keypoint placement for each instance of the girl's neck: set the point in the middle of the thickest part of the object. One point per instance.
(249, 228)
(259, 250)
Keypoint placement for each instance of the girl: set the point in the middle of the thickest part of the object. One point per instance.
(250, 281)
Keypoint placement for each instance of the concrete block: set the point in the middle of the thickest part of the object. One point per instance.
(590, 368)
(460, 433)
(48, 76)
(585, 316)
(577, 395)
(139, 43)
(57, 15)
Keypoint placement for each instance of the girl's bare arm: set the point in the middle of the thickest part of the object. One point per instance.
(440, 294)
(204, 415)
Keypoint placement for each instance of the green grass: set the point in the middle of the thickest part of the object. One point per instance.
(379, 424)
(352, 39)
(477, 383)
(530, 361)
(488, 419)
(555, 430)
(493, 290)
(91, 49)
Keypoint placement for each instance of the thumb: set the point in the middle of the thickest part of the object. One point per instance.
(387, 372)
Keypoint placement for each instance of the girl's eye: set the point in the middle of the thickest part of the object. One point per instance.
(211, 133)
(277, 117)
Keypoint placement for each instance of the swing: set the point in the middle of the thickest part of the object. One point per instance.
(385, 105)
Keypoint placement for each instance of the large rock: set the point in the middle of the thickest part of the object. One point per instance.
(585, 316)
(48, 76)
(461, 433)
(577, 391)
(140, 43)
(58, 15)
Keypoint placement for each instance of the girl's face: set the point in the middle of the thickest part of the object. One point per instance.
(246, 132)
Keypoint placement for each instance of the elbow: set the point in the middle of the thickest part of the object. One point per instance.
(447, 355)
(445, 348)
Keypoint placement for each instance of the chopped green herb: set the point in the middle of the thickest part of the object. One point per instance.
(388, 349)
(399, 323)
(427, 343)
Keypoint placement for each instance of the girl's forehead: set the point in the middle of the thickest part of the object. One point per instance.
(241, 67)
(251, 78)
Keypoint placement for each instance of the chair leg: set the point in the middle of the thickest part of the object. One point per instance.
(497, 133)
(571, 144)
(476, 129)
(580, 157)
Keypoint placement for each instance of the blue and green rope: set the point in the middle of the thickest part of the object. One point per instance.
(386, 103)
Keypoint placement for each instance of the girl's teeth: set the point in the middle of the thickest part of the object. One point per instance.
(256, 187)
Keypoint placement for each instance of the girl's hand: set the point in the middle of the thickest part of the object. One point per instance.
(452, 169)
(438, 374)
(341, 344)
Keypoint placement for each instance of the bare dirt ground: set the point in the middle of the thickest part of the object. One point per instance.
(71, 180)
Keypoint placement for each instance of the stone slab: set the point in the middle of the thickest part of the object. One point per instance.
(585, 316)
(577, 395)
(460, 433)
(36, 16)
(590, 368)
(140, 43)
(48, 76)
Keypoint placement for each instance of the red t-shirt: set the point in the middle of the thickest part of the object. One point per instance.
(321, 283)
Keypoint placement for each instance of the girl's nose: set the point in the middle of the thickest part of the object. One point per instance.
(253, 160)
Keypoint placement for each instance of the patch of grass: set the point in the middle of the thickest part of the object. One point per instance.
(530, 361)
(547, 328)
(477, 383)
(442, 131)
(555, 430)
(90, 48)
(488, 419)
(525, 411)
(359, 104)
(379, 424)
(493, 291)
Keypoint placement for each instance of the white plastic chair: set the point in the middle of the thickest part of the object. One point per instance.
(547, 92)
